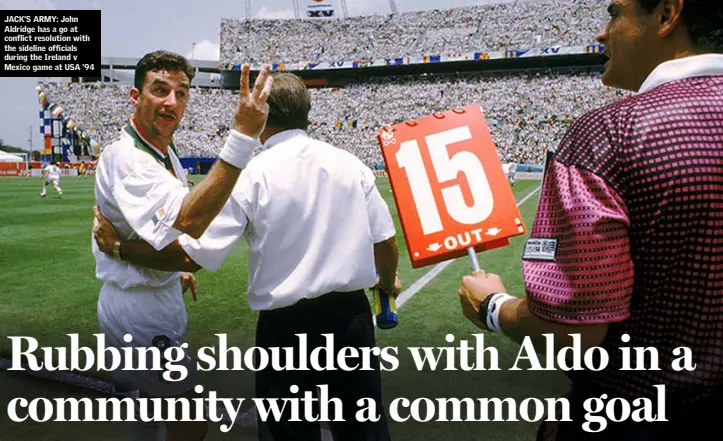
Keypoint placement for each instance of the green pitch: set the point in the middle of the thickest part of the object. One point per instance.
(48, 290)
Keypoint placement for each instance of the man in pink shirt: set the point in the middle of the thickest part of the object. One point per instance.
(626, 249)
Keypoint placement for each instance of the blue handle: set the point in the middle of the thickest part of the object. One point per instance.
(385, 309)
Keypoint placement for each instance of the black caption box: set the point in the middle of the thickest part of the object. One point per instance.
(57, 43)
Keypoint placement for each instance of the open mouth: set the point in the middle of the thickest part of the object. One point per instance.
(169, 118)
(607, 56)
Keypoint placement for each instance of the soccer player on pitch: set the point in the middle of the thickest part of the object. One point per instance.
(510, 169)
(626, 246)
(51, 175)
(142, 189)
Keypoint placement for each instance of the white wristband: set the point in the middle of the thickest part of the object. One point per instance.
(493, 312)
(238, 149)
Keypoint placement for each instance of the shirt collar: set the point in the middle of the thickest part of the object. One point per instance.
(688, 67)
(135, 127)
(283, 136)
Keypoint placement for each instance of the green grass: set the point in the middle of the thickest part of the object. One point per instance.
(48, 289)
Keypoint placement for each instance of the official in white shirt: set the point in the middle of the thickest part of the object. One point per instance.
(141, 187)
(318, 233)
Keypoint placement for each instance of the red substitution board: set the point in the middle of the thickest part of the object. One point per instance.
(449, 187)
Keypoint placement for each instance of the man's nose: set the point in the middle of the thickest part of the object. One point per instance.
(170, 99)
(602, 37)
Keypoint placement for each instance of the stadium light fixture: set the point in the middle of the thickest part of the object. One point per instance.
(344, 9)
(193, 55)
(297, 14)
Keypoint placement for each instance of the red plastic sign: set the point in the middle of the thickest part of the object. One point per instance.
(449, 187)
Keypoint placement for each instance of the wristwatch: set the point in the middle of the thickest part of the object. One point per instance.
(117, 249)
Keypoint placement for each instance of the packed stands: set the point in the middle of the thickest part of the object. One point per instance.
(527, 112)
(523, 24)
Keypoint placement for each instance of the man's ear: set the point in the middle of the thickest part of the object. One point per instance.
(135, 96)
(669, 16)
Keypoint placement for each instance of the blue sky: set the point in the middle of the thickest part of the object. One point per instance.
(131, 28)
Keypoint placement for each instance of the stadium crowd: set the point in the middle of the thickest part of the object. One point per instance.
(526, 113)
(523, 24)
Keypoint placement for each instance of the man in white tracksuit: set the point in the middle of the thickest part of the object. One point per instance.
(141, 187)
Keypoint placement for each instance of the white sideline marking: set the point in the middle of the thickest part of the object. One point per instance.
(417, 286)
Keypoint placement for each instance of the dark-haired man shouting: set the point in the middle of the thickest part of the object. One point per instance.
(141, 188)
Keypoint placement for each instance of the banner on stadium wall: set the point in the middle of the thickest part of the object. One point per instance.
(16, 168)
(63, 172)
(12, 168)
(456, 57)
(380, 173)
(316, 9)
(436, 58)
(526, 176)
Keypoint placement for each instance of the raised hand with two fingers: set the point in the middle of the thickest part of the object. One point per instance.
(252, 110)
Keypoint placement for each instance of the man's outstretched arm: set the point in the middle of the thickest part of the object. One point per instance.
(517, 322)
(185, 253)
(138, 252)
(205, 200)
(170, 258)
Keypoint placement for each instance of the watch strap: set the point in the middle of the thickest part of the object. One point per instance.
(117, 250)
(490, 308)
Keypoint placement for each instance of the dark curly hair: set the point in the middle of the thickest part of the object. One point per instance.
(161, 60)
(702, 18)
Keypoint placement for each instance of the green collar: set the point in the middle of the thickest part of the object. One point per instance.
(142, 145)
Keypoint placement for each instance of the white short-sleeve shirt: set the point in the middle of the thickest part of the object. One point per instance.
(142, 198)
(52, 172)
(311, 214)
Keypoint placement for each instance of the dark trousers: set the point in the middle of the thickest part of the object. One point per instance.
(348, 317)
(695, 419)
